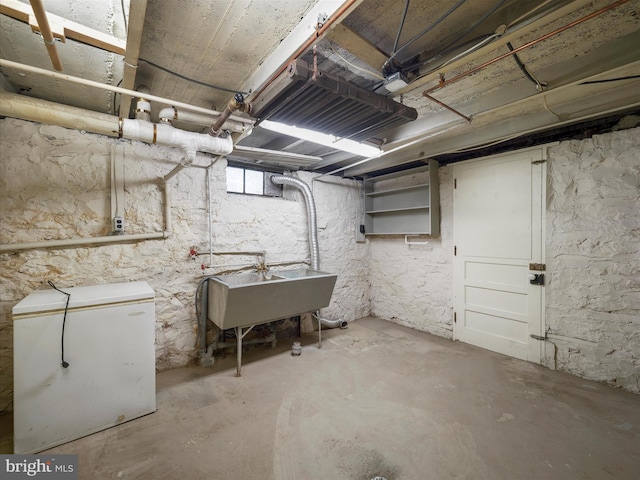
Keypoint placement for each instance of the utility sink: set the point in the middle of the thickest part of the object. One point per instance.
(253, 298)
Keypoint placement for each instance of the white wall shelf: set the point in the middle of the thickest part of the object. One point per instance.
(402, 203)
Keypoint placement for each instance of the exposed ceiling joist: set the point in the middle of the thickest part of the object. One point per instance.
(563, 106)
(355, 43)
(607, 58)
(41, 24)
(303, 36)
(497, 45)
(137, 12)
(22, 12)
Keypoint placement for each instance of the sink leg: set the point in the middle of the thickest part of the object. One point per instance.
(319, 332)
(239, 351)
(240, 335)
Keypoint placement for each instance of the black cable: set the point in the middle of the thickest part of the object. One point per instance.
(64, 320)
(539, 85)
(404, 16)
(114, 97)
(607, 80)
(471, 28)
(171, 72)
(423, 32)
(124, 17)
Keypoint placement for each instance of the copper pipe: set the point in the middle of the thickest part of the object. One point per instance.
(310, 41)
(442, 104)
(523, 47)
(47, 35)
(236, 103)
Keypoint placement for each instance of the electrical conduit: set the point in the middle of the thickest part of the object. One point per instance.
(313, 232)
(43, 111)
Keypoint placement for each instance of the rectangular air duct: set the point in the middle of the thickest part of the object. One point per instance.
(328, 104)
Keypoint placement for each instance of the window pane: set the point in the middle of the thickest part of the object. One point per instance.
(235, 180)
(253, 182)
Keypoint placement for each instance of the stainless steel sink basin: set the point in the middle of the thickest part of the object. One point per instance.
(254, 298)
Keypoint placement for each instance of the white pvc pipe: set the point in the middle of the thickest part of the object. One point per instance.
(168, 223)
(70, 242)
(111, 88)
(36, 110)
(162, 134)
(170, 114)
(184, 163)
(143, 109)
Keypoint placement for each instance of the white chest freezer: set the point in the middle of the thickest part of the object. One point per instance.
(109, 346)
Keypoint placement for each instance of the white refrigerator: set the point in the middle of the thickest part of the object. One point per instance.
(109, 348)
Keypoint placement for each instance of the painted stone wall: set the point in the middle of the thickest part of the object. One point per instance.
(593, 258)
(412, 284)
(593, 263)
(55, 184)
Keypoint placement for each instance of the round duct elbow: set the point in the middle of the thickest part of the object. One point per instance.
(334, 323)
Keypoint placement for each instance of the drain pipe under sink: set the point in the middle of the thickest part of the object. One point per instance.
(313, 233)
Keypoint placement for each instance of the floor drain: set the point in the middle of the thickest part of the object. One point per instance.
(378, 478)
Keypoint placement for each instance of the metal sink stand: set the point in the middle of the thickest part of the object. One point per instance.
(240, 335)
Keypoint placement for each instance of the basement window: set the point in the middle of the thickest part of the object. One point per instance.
(252, 182)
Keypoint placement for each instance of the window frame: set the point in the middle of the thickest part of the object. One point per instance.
(268, 189)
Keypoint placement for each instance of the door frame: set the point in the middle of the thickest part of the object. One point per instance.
(541, 203)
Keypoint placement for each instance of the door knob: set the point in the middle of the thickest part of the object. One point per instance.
(536, 278)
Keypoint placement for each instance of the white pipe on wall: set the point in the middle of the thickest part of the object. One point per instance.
(168, 223)
(72, 242)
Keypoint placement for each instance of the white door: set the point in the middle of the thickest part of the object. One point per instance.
(498, 238)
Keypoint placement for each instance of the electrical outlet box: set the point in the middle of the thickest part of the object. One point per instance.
(118, 225)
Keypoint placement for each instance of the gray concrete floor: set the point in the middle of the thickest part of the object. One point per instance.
(377, 400)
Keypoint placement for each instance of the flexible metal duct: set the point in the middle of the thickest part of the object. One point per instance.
(313, 231)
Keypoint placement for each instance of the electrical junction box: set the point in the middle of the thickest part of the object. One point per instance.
(118, 225)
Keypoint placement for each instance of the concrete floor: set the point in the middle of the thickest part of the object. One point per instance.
(377, 400)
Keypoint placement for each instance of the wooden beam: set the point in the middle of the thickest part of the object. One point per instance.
(22, 11)
(358, 45)
(47, 35)
(137, 11)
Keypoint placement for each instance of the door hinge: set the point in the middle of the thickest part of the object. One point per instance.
(455, 317)
(455, 183)
(455, 250)
(538, 162)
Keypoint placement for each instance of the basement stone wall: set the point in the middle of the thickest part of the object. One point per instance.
(55, 184)
(593, 258)
(592, 254)
(413, 284)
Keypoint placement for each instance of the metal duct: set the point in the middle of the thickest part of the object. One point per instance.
(313, 233)
(319, 101)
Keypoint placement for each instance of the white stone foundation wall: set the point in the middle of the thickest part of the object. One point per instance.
(55, 184)
(412, 284)
(593, 258)
(593, 263)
